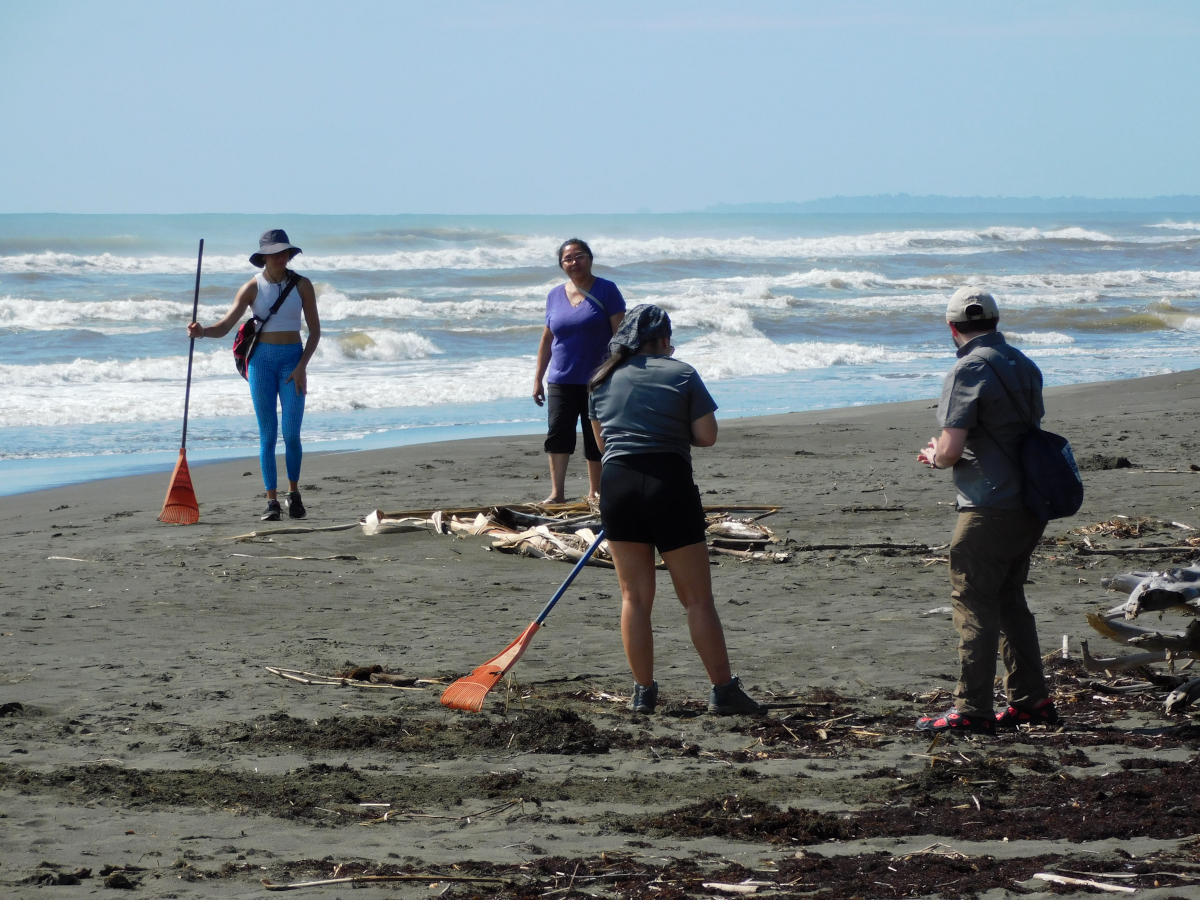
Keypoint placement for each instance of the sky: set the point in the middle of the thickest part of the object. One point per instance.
(538, 107)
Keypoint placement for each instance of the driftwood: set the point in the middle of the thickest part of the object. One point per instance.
(1137, 551)
(1083, 882)
(757, 555)
(1125, 583)
(372, 879)
(1156, 591)
(339, 556)
(292, 529)
(1181, 698)
(385, 679)
(1132, 661)
(564, 531)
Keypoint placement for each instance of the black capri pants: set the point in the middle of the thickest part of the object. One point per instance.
(567, 404)
(649, 498)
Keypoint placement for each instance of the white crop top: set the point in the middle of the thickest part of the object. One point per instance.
(287, 318)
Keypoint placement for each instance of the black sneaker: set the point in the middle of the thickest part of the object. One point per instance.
(272, 512)
(730, 700)
(296, 509)
(1041, 713)
(645, 698)
(954, 721)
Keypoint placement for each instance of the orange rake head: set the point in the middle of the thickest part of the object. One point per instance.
(180, 507)
(469, 692)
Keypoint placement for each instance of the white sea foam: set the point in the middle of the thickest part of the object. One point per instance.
(46, 315)
(1177, 226)
(1038, 337)
(336, 306)
(539, 252)
(378, 344)
(89, 393)
(132, 371)
(721, 356)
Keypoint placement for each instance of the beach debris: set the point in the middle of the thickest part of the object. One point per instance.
(1084, 882)
(564, 531)
(292, 529)
(379, 522)
(1157, 591)
(1177, 589)
(375, 879)
(359, 676)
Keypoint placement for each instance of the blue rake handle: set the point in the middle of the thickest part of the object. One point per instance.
(583, 560)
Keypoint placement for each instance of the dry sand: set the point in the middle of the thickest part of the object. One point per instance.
(150, 737)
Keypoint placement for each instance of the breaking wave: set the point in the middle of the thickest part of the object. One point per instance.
(539, 252)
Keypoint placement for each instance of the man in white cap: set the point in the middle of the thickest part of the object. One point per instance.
(988, 400)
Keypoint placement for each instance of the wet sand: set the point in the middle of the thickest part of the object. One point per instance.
(150, 737)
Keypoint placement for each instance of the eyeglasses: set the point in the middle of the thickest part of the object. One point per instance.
(576, 258)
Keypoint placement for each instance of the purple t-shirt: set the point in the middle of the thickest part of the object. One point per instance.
(581, 333)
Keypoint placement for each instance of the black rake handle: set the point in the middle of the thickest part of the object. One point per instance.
(187, 394)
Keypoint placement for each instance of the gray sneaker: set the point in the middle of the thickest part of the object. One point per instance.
(730, 700)
(272, 512)
(645, 698)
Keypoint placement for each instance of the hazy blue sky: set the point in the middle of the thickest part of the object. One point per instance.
(392, 107)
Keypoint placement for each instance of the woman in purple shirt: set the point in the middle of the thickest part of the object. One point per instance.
(581, 317)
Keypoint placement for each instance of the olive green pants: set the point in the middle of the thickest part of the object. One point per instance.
(989, 562)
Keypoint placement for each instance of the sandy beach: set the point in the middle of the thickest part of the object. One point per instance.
(142, 738)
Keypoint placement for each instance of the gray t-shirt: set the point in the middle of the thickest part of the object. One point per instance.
(973, 398)
(648, 405)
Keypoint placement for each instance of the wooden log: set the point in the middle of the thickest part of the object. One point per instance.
(1084, 882)
(373, 879)
(1188, 639)
(1138, 551)
(1125, 583)
(1122, 663)
(1182, 697)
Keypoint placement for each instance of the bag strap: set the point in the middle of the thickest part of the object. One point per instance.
(598, 305)
(980, 351)
(1021, 408)
(293, 280)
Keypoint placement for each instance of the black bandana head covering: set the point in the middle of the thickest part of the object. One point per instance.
(644, 322)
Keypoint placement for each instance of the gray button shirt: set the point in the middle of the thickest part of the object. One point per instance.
(973, 397)
(648, 405)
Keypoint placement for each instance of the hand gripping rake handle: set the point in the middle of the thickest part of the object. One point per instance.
(187, 394)
(583, 561)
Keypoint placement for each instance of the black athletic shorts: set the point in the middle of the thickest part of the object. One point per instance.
(649, 498)
(567, 404)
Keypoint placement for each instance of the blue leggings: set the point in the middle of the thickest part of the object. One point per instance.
(270, 365)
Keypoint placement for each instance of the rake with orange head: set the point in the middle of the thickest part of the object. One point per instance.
(469, 692)
(180, 507)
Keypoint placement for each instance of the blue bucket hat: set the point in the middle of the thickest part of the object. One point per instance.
(273, 241)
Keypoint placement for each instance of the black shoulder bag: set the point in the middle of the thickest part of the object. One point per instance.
(248, 334)
(1051, 486)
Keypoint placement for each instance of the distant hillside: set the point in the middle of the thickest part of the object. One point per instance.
(905, 203)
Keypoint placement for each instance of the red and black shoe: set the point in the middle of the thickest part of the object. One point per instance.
(1041, 713)
(954, 721)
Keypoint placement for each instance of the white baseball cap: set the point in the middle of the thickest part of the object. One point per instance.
(971, 304)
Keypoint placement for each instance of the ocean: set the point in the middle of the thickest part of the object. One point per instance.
(430, 323)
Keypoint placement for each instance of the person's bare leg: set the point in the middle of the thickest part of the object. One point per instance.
(693, 585)
(635, 573)
(558, 477)
(595, 467)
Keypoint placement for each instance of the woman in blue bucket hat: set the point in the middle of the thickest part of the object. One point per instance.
(278, 366)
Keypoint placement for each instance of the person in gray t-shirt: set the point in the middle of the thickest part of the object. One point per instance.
(648, 405)
(990, 399)
(648, 411)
